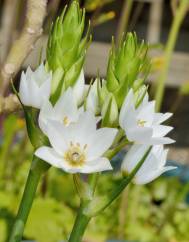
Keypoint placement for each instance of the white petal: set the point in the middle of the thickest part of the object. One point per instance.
(79, 88)
(49, 155)
(46, 113)
(100, 141)
(66, 106)
(23, 90)
(150, 176)
(160, 117)
(98, 165)
(127, 113)
(161, 130)
(41, 75)
(133, 156)
(161, 140)
(29, 72)
(85, 126)
(55, 134)
(44, 91)
(147, 112)
(35, 95)
(139, 135)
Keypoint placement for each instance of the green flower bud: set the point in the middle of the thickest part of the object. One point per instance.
(126, 64)
(66, 48)
(110, 112)
(36, 136)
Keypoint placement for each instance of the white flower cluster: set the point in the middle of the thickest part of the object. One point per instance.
(78, 145)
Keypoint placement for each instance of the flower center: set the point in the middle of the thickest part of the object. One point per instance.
(66, 121)
(141, 123)
(75, 155)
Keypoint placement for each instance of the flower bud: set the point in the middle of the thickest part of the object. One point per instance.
(110, 112)
(66, 49)
(96, 96)
(126, 64)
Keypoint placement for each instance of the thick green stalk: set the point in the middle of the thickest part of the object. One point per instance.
(178, 19)
(38, 167)
(80, 225)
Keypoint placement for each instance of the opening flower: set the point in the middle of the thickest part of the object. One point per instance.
(79, 147)
(92, 101)
(142, 124)
(65, 110)
(79, 88)
(35, 86)
(153, 166)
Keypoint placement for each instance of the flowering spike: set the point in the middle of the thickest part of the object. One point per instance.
(66, 49)
(125, 65)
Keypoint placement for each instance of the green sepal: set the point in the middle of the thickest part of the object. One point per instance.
(83, 188)
(36, 136)
(56, 78)
(121, 93)
(73, 73)
(110, 112)
(102, 91)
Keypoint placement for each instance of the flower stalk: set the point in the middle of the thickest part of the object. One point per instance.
(80, 225)
(38, 168)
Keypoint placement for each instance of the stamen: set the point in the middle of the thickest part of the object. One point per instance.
(75, 155)
(141, 123)
(66, 121)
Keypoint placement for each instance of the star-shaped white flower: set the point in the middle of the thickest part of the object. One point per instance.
(35, 87)
(142, 124)
(65, 110)
(79, 147)
(153, 166)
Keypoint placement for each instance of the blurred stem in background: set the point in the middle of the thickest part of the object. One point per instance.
(9, 15)
(124, 19)
(177, 21)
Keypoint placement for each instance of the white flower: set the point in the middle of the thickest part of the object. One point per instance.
(35, 86)
(141, 124)
(92, 102)
(65, 110)
(79, 147)
(153, 166)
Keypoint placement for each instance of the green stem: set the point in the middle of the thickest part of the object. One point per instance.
(80, 225)
(98, 204)
(38, 167)
(178, 19)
